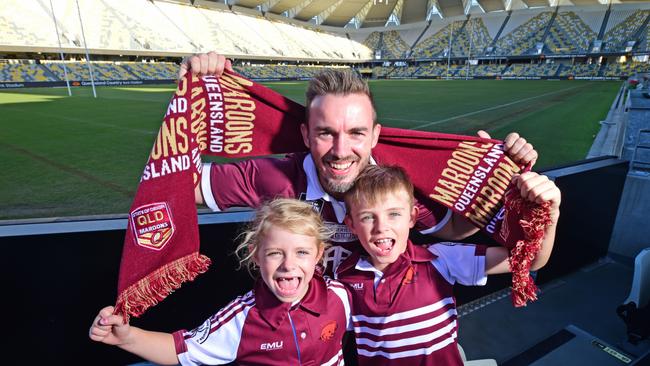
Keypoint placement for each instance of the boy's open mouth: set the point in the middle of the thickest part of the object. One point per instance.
(384, 245)
(288, 286)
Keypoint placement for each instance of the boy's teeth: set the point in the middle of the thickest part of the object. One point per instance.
(384, 244)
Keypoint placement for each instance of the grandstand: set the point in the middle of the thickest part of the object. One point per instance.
(595, 41)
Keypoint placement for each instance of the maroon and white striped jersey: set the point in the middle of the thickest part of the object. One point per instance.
(250, 183)
(258, 329)
(407, 314)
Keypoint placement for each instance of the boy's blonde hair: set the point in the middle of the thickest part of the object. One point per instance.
(289, 214)
(375, 182)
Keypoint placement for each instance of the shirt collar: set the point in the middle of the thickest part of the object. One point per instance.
(360, 261)
(315, 191)
(273, 311)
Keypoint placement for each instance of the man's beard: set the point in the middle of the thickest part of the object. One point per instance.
(341, 186)
(333, 186)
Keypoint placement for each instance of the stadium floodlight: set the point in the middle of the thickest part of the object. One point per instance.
(83, 34)
(58, 38)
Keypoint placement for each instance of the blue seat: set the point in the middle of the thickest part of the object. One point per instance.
(635, 311)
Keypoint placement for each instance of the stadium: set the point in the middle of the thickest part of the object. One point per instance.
(84, 85)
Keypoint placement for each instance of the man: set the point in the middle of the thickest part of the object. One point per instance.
(340, 132)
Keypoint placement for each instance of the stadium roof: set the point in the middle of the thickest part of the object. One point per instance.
(378, 13)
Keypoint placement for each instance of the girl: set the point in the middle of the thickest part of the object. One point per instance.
(292, 316)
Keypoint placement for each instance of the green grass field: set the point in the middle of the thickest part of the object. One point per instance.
(71, 156)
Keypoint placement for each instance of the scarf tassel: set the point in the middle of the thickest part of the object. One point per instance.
(535, 219)
(156, 286)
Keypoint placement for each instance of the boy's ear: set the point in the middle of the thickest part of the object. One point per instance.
(348, 221)
(321, 249)
(415, 211)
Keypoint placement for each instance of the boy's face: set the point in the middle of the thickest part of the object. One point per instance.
(287, 261)
(383, 227)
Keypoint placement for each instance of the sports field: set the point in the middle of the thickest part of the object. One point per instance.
(72, 156)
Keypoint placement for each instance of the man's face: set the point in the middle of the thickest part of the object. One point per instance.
(383, 226)
(340, 136)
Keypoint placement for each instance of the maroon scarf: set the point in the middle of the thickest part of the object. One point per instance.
(234, 117)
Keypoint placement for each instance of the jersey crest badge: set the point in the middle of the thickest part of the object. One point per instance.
(328, 331)
(152, 225)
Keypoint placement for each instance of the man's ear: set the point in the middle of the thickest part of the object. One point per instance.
(304, 130)
(415, 211)
(375, 132)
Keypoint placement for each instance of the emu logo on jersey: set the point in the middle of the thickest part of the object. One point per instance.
(271, 346)
(152, 225)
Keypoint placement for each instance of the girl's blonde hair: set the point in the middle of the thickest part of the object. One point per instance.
(289, 214)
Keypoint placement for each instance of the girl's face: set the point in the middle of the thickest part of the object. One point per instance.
(287, 261)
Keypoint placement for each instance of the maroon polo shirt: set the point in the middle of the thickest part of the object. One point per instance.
(259, 329)
(407, 314)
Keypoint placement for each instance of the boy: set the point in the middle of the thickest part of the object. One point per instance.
(404, 311)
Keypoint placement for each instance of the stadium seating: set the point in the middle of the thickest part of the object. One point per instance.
(436, 44)
(393, 45)
(617, 37)
(471, 40)
(569, 35)
(152, 71)
(105, 71)
(261, 71)
(626, 69)
(176, 28)
(23, 73)
(432, 70)
(522, 39)
(532, 70)
(166, 27)
(582, 70)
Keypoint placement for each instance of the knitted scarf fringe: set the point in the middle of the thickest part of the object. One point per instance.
(535, 219)
(156, 286)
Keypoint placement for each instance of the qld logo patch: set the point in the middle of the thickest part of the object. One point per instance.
(152, 225)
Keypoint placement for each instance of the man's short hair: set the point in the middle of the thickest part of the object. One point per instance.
(337, 82)
(375, 182)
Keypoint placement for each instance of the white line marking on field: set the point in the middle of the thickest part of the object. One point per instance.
(431, 123)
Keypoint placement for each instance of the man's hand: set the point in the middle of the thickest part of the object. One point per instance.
(203, 64)
(517, 148)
